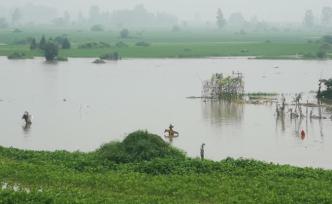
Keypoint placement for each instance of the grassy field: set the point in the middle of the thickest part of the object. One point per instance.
(185, 44)
(63, 177)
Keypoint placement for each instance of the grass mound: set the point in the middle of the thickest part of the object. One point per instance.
(139, 146)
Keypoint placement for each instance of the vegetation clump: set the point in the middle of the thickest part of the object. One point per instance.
(18, 55)
(327, 92)
(94, 45)
(139, 146)
(121, 44)
(51, 51)
(150, 171)
(99, 61)
(111, 56)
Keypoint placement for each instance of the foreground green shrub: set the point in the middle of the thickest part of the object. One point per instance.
(139, 146)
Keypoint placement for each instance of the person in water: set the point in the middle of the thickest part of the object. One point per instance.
(27, 118)
(302, 135)
(171, 133)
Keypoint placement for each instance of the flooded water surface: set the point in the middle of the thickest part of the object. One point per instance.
(78, 105)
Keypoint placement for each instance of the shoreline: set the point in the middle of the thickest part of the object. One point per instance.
(184, 58)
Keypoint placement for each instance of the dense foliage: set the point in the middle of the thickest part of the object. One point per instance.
(168, 44)
(153, 172)
(327, 92)
(51, 51)
(139, 146)
(18, 55)
(94, 45)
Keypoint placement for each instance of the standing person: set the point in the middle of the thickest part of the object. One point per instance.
(202, 151)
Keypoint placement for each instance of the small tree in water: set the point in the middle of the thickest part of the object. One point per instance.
(51, 51)
(327, 92)
(224, 87)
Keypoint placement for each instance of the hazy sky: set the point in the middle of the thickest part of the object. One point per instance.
(269, 10)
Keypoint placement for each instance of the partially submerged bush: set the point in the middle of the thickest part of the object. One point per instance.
(51, 51)
(139, 146)
(18, 55)
(111, 56)
(93, 45)
(327, 92)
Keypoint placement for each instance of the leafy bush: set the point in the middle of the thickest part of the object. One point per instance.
(327, 93)
(51, 51)
(18, 55)
(111, 56)
(121, 44)
(94, 45)
(139, 146)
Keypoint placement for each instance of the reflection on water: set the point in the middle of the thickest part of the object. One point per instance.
(106, 102)
(223, 111)
(26, 128)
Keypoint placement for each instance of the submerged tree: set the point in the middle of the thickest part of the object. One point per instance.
(51, 51)
(327, 92)
(224, 87)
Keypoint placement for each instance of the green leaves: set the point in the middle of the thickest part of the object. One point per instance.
(153, 172)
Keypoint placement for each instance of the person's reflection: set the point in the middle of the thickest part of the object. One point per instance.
(281, 119)
(26, 128)
(170, 139)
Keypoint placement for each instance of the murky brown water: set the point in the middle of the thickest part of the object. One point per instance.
(106, 102)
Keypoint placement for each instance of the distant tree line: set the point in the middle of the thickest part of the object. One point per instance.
(51, 46)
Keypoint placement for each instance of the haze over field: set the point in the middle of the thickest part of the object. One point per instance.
(198, 10)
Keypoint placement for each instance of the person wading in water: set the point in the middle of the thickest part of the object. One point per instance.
(171, 133)
(27, 118)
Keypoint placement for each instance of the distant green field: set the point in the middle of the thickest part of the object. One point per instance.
(186, 44)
